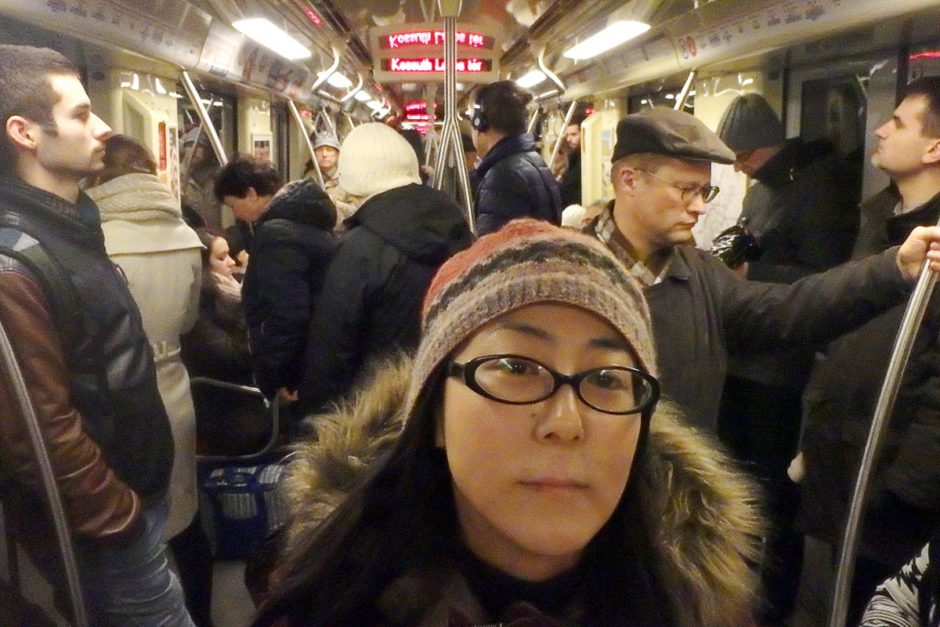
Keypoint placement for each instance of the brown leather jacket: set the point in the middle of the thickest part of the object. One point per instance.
(98, 505)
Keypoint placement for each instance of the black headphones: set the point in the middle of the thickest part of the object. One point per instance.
(479, 121)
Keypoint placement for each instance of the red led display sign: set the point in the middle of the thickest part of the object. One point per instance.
(430, 64)
(393, 41)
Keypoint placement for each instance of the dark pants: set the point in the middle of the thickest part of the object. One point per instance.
(760, 425)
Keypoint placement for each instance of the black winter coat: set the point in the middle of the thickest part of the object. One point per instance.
(904, 504)
(514, 182)
(371, 298)
(293, 245)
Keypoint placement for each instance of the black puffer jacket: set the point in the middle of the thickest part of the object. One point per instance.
(293, 245)
(371, 299)
(904, 504)
(515, 183)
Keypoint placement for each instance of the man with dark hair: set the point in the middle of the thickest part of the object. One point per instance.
(903, 507)
(570, 182)
(77, 336)
(514, 181)
(246, 185)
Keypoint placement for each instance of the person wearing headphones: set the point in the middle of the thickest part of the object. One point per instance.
(513, 180)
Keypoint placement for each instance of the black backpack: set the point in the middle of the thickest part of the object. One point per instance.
(52, 277)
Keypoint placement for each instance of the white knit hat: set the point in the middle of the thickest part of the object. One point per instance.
(374, 159)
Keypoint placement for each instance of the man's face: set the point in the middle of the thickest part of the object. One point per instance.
(74, 147)
(326, 158)
(657, 210)
(248, 208)
(750, 161)
(573, 137)
(901, 144)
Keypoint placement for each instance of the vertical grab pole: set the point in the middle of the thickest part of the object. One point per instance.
(686, 89)
(207, 126)
(303, 131)
(910, 324)
(63, 536)
(561, 135)
(450, 143)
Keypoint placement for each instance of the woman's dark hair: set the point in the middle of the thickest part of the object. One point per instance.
(125, 155)
(402, 519)
(206, 236)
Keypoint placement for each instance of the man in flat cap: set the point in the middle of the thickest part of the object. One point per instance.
(326, 151)
(661, 175)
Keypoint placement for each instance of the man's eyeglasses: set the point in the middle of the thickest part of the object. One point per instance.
(689, 192)
(517, 380)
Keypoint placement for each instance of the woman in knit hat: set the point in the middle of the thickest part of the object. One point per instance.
(534, 481)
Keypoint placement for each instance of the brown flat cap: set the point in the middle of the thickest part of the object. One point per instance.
(669, 132)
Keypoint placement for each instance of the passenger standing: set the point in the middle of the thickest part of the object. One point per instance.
(570, 182)
(802, 210)
(903, 508)
(326, 152)
(89, 367)
(518, 472)
(661, 176)
(247, 185)
(512, 179)
(159, 255)
(292, 249)
(371, 296)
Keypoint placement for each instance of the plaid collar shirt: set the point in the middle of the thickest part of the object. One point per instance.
(605, 229)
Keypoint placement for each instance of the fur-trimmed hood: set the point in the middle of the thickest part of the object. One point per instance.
(707, 543)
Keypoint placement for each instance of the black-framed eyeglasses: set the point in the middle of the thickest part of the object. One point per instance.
(517, 380)
(689, 192)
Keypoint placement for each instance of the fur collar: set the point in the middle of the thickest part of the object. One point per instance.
(709, 531)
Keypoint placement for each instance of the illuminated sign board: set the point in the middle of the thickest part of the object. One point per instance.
(415, 52)
(435, 64)
(418, 38)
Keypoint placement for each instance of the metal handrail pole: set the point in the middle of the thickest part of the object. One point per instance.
(206, 122)
(337, 54)
(303, 131)
(684, 92)
(561, 135)
(910, 324)
(54, 498)
(532, 118)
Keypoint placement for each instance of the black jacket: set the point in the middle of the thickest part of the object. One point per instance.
(371, 298)
(111, 377)
(293, 245)
(570, 184)
(904, 503)
(514, 182)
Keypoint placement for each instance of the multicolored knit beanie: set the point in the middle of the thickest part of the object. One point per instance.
(527, 262)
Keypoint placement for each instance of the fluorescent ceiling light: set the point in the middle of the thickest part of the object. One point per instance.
(375, 105)
(270, 36)
(611, 37)
(531, 79)
(336, 79)
(362, 96)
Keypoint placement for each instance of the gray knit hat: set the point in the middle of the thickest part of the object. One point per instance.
(526, 262)
(750, 123)
(326, 139)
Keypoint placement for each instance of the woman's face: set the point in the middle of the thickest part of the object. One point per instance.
(533, 484)
(219, 260)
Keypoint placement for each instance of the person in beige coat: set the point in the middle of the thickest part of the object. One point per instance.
(160, 257)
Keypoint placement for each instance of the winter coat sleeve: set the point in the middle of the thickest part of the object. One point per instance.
(814, 310)
(896, 602)
(278, 303)
(98, 505)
